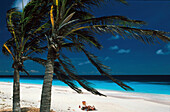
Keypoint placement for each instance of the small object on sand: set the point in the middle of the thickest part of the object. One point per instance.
(87, 108)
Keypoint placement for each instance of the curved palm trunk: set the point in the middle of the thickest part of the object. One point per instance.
(16, 91)
(47, 84)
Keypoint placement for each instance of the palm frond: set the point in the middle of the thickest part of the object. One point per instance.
(112, 20)
(52, 17)
(104, 69)
(6, 50)
(23, 70)
(62, 76)
(146, 36)
(67, 18)
(11, 46)
(71, 46)
(86, 36)
(69, 68)
(13, 20)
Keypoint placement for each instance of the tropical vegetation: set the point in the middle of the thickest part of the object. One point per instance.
(24, 43)
(70, 25)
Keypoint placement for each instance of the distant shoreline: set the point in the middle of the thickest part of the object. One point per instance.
(141, 78)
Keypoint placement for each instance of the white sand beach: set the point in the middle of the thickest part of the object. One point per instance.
(65, 99)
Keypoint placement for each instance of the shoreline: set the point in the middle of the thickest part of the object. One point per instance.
(64, 98)
(95, 88)
(139, 77)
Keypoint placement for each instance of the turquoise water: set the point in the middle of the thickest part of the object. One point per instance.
(144, 87)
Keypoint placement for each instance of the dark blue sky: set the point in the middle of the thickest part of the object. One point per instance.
(123, 56)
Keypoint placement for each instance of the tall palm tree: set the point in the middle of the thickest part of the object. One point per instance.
(73, 24)
(24, 29)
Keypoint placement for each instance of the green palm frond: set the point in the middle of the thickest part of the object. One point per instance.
(106, 20)
(69, 68)
(13, 21)
(146, 36)
(86, 37)
(104, 69)
(73, 47)
(62, 76)
(112, 20)
(23, 70)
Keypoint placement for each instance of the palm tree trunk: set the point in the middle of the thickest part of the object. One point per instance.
(47, 84)
(16, 91)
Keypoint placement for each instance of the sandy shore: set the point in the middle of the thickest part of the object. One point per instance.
(66, 100)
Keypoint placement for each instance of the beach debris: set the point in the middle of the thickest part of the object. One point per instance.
(86, 107)
(69, 108)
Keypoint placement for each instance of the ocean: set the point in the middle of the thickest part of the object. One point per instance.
(157, 84)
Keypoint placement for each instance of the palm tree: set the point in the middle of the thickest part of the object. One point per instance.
(24, 29)
(73, 25)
